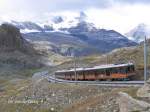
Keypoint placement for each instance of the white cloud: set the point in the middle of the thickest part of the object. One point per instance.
(120, 18)
(120, 15)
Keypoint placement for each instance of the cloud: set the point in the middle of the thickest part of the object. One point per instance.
(41, 6)
(55, 5)
(120, 18)
(29, 9)
(132, 1)
(51, 5)
(116, 14)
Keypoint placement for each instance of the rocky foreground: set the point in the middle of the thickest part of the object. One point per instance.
(39, 95)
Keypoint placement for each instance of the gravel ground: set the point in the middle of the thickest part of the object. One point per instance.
(53, 97)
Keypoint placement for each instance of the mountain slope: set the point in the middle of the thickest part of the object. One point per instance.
(63, 44)
(82, 40)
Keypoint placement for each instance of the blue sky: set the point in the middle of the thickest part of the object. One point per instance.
(121, 15)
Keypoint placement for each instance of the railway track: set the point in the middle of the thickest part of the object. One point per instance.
(51, 78)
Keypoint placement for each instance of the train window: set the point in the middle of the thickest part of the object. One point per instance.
(121, 70)
(124, 70)
(81, 73)
(113, 70)
(95, 72)
(86, 72)
(92, 72)
(129, 69)
(100, 72)
(116, 70)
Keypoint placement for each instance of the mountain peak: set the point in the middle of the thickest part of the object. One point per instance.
(142, 25)
(82, 17)
(57, 19)
(138, 33)
(82, 27)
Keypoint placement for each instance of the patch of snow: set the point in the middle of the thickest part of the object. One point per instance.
(28, 31)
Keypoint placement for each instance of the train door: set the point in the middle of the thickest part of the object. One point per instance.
(108, 74)
(96, 75)
(83, 75)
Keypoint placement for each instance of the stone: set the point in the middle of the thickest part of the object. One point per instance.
(129, 104)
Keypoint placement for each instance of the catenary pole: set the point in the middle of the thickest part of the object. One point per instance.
(145, 59)
(75, 72)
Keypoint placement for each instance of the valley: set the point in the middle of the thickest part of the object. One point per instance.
(23, 55)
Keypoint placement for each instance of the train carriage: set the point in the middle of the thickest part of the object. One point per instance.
(102, 72)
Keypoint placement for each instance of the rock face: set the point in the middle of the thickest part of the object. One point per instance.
(141, 102)
(15, 51)
(11, 39)
(129, 104)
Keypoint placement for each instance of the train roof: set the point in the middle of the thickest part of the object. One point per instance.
(96, 67)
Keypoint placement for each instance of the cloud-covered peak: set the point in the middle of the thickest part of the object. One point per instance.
(82, 17)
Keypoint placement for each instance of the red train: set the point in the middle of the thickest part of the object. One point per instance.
(102, 72)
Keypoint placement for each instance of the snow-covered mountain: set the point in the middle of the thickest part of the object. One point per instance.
(138, 33)
(73, 35)
(65, 24)
(56, 23)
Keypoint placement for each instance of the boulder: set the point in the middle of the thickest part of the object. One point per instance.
(129, 104)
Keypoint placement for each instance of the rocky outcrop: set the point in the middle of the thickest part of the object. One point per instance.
(129, 104)
(15, 51)
(140, 102)
(11, 39)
